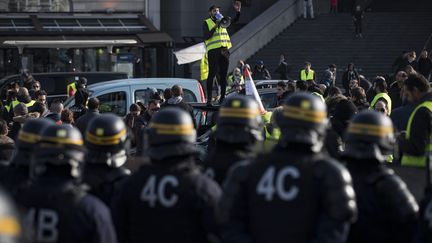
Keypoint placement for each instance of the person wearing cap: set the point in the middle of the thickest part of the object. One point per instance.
(307, 73)
(218, 43)
(260, 71)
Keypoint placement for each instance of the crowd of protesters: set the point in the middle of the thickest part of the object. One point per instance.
(396, 97)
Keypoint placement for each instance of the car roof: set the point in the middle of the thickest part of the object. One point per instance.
(266, 91)
(136, 81)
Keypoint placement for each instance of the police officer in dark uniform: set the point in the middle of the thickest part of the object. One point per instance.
(56, 208)
(295, 193)
(387, 211)
(17, 175)
(106, 141)
(239, 127)
(168, 200)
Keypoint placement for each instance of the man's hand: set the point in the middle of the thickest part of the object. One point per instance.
(237, 6)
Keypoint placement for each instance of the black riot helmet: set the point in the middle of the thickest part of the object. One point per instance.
(171, 133)
(239, 121)
(106, 140)
(303, 120)
(10, 229)
(369, 136)
(59, 153)
(28, 136)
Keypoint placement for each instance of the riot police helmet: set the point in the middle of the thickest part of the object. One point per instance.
(370, 135)
(28, 137)
(60, 152)
(303, 120)
(106, 140)
(171, 133)
(239, 121)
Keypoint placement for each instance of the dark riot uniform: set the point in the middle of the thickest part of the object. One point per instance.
(56, 209)
(106, 141)
(293, 194)
(239, 127)
(168, 200)
(387, 211)
(17, 175)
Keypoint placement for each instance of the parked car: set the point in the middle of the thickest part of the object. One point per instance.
(116, 96)
(268, 98)
(55, 84)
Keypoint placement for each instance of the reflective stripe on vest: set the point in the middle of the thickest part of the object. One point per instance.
(414, 160)
(71, 89)
(384, 96)
(219, 39)
(308, 76)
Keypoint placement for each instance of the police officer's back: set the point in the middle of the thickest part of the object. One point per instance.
(17, 175)
(293, 194)
(239, 127)
(386, 209)
(56, 208)
(168, 200)
(106, 140)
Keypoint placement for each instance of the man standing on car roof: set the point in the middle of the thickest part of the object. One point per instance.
(218, 43)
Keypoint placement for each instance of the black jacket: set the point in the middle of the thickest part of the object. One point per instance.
(387, 211)
(289, 195)
(223, 157)
(67, 212)
(168, 201)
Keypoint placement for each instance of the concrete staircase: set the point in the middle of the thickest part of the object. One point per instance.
(330, 39)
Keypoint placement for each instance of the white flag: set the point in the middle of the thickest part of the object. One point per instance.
(191, 53)
(252, 91)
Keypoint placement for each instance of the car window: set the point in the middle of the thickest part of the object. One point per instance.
(114, 102)
(143, 95)
(189, 96)
(204, 120)
(269, 100)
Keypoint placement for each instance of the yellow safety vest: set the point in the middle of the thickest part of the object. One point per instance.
(219, 39)
(31, 103)
(414, 160)
(382, 96)
(319, 96)
(308, 76)
(204, 70)
(71, 87)
(12, 105)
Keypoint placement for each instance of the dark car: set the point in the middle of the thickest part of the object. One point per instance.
(55, 84)
(268, 98)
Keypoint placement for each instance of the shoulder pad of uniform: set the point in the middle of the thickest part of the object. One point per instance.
(395, 196)
(336, 187)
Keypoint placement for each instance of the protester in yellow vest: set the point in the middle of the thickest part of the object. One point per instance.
(415, 143)
(307, 73)
(71, 89)
(380, 87)
(218, 43)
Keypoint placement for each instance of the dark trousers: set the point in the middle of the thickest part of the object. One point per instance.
(358, 27)
(217, 64)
